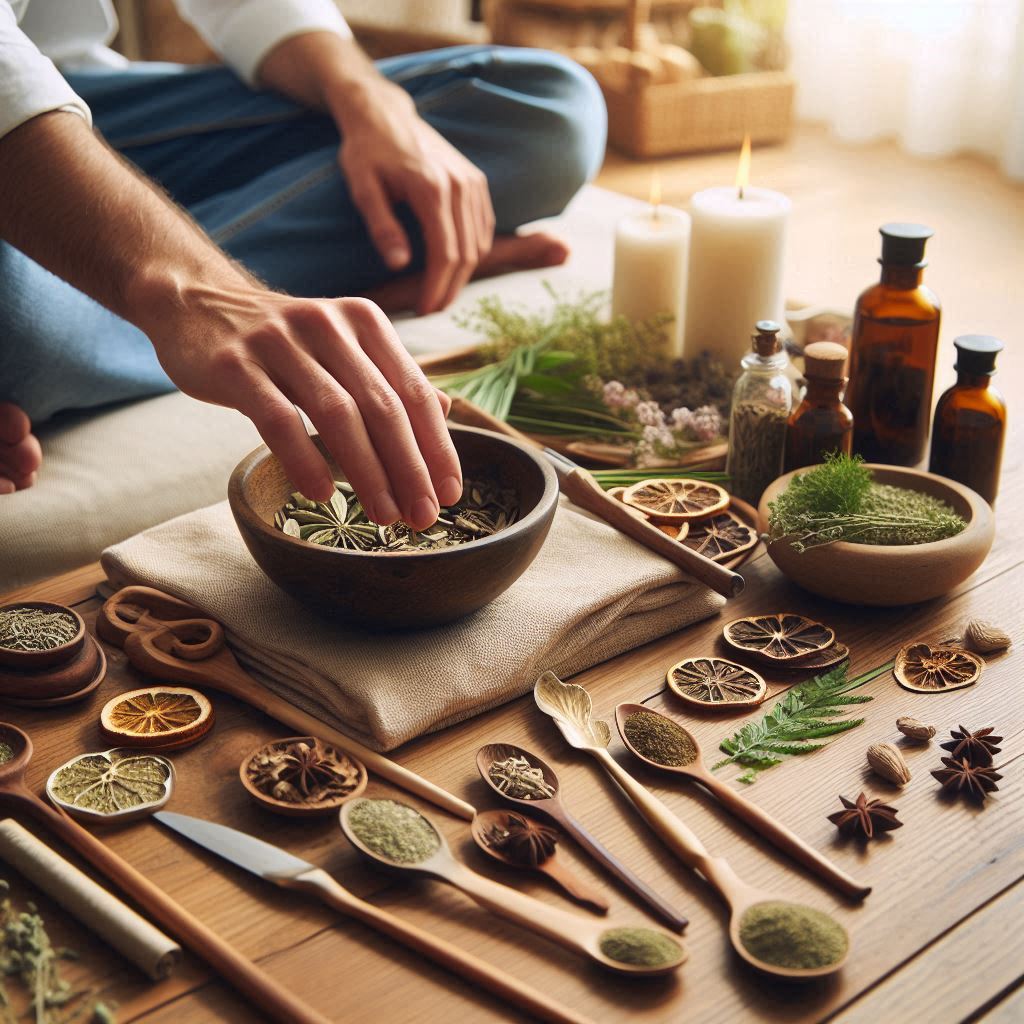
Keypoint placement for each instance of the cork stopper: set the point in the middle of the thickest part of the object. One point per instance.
(766, 341)
(825, 360)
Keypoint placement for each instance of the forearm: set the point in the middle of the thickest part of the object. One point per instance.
(325, 72)
(76, 208)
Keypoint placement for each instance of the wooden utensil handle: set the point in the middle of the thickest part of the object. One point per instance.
(250, 980)
(777, 833)
(577, 889)
(673, 833)
(450, 957)
(660, 907)
(560, 926)
(222, 672)
(584, 490)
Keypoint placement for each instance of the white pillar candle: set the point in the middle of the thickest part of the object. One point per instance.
(650, 270)
(735, 278)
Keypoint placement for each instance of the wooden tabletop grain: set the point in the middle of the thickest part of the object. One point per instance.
(938, 940)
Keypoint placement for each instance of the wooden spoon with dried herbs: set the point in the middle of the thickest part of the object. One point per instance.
(662, 743)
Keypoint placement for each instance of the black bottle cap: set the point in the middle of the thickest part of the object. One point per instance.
(903, 244)
(766, 341)
(976, 353)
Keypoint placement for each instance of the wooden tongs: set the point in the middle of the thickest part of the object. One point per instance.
(172, 640)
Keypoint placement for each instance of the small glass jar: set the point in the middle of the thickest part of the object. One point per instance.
(970, 420)
(761, 403)
(820, 423)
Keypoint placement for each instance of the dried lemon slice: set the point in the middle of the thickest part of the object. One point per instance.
(716, 682)
(676, 501)
(720, 536)
(160, 717)
(781, 637)
(926, 669)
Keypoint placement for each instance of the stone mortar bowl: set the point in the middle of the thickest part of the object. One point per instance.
(889, 575)
(400, 590)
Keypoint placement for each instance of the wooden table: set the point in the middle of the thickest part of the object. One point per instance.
(939, 940)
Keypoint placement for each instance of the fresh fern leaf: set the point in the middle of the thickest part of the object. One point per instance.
(813, 710)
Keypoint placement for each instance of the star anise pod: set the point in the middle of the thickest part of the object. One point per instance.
(962, 777)
(976, 747)
(526, 841)
(864, 818)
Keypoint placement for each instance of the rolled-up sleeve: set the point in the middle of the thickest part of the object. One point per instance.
(29, 82)
(243, 32)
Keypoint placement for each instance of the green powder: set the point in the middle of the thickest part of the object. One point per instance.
(791, 935)
(642, 947)
(659, 739)
(6, 752)
(395, 831)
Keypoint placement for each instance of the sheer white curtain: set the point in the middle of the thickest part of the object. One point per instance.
(942, 76)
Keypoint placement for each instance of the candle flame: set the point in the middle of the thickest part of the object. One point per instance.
(655, 191)
(743, 170)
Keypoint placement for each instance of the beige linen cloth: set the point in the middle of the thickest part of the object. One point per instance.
(589, 595)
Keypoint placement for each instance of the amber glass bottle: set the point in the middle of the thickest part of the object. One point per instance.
(893, 352)
(970, 419)
(820, 423)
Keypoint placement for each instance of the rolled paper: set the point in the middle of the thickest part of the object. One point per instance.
(130, 934)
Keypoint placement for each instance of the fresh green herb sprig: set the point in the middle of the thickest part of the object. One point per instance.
(609, 478)
(838, 500)
(811, 711)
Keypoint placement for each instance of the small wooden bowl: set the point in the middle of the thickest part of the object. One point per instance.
(59, 684)
(300, 810)
(33, 660)
(400, 590)
(889, 575)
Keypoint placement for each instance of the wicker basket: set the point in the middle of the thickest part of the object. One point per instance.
(703, 114)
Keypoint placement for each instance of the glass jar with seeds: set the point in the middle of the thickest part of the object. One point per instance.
(761, 404)
(484, 509)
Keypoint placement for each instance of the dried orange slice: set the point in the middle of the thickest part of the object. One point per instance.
(716, 682)
(720, 536)
(780, 637)
(157, 717)
(926, 669)
(617, 493)
(676, 501)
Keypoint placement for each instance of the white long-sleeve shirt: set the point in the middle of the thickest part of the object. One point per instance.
(38, 35)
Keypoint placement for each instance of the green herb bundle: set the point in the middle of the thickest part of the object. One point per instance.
(838, 500)
(811, 711)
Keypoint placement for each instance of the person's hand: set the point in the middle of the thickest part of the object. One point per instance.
(341, 363)
(389, 154)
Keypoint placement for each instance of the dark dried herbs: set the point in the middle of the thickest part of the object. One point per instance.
(863, 818)
(303, 771)
(523, 840)
(483, 509)
(659, 739)
(24, 628)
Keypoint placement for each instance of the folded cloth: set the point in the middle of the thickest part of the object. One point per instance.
(589, 595)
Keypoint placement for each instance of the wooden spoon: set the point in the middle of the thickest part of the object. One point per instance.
(570, 707)
(252, 981)
(553, 866)
(759, 820)
(552, 807)
(572, 931)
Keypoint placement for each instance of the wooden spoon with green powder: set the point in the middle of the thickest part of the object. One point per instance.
(777, 937)
(663, 743)
(399, 836)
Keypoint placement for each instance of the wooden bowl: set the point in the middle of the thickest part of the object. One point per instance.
(293, 810)
(400, 590)
(57, 684)
(889, 575)
(33, 660)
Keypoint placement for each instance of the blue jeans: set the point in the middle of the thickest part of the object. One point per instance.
(260, 174)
